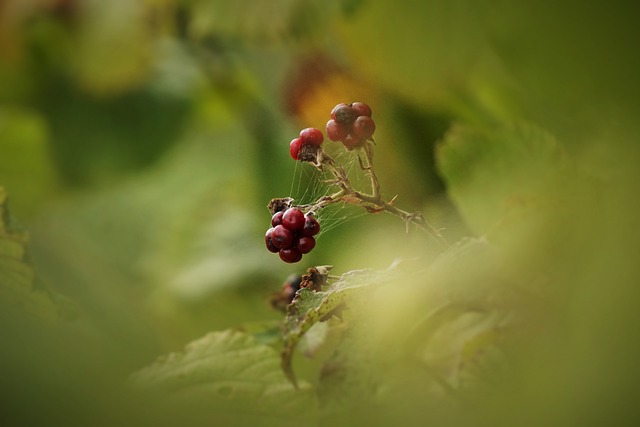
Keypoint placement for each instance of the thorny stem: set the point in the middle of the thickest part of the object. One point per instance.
(371, 202)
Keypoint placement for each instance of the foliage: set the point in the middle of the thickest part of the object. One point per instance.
(232, 373)
(141, 140)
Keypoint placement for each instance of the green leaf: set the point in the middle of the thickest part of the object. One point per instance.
(17, 277)
(226, 373)
(255, 21)
(23, 137)
(431, 329)
(310, 307)
(120, 24)
(500, 176)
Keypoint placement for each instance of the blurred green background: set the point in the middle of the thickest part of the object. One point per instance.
(140, 142)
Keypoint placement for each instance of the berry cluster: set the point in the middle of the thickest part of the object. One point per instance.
(306, 145)
(291, 234)
(351, 124)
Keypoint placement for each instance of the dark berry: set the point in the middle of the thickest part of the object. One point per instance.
(294, 148)
(293, 282)
(344, 114)
(283, 298)
(311, 136)
(311, 226)
(336, 131)
(290, 255)
(282, 237)
(305, 244)
(269, 243)
(333, 112)
(364, 127)
(276, 219)
(361, 108)
(293, 219)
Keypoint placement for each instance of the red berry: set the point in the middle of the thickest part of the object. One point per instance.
(282, 237)
(290, 255)
(344, 114)
(293, 219)
(352, 141)
(311, 136)
(305, 244)
(336, 131)
(294, 148)
(276, 219)
(361, 108)
(311, 226)
(269, 243)
(333, 112)
(364, 127)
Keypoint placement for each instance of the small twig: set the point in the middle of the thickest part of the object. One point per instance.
(375, 185)
(372, 202)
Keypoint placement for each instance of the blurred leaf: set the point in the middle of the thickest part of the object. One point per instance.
(113, 45)
(310, 307)
(501, 175)
(25, 147)
(485, 61)
(434, 53)
(18, 293)
(178, 243)
(227, 376)
(432, 331)
(94, 139)
(256, 21)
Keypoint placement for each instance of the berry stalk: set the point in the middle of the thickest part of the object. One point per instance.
(293, 227)
(372, 202)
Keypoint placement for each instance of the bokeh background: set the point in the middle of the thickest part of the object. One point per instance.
(140, 142)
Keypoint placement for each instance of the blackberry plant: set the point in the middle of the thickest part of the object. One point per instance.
(293, 226)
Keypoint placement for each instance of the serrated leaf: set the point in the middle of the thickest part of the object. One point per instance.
(311, 307)
(229, 371)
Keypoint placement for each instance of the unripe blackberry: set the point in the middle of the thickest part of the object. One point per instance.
(336, 108)
(290, 255)
(352, 141)
(282, 237)
(361, 108)
(269, 242)
(305, 244)
(336, 131)
(311, 136)
(344, 114)
(364, 127)
(293, 219)
(311, 226)
(276, 219)
(294, 148)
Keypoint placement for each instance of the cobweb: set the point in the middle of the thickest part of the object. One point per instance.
(308, 184)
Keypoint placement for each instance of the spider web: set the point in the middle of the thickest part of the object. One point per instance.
(308, 185)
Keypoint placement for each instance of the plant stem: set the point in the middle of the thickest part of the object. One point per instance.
(371, 202)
